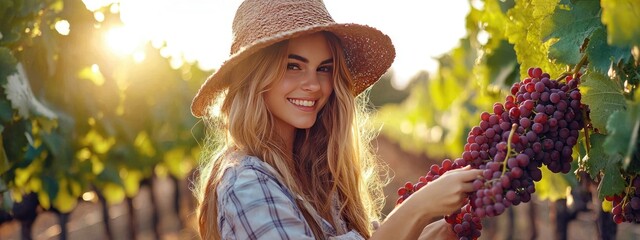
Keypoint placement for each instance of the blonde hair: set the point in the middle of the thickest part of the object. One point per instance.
(333, 158)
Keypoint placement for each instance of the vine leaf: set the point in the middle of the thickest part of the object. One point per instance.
(22, 99)
(596, 161)
(603, 96)
(618, 15)
(502, 65)
(6, 112)
(7, 63)
(4, 161)
(6, 202)
(527, 20)
(601, 55)
(51, 187)
(571, 27)
(612, 182)
(60, 148)
(623, 129)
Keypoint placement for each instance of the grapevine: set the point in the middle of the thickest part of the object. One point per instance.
(538, 124)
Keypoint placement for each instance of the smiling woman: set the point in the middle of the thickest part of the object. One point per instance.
(289, 155)
(296, 99)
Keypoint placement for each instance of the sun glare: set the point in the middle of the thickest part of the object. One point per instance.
(93, 5)
(63, 27)
(99, 16)
(123, 41)
(199, 31)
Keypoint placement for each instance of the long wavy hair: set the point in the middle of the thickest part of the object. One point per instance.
(333, 158)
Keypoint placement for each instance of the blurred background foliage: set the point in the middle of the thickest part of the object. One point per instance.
(81, 122)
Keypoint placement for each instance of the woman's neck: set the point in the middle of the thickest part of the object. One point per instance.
(287, 133)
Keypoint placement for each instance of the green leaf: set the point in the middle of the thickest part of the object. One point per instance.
(612, 182)
(601, 55)
(597, 159)
(6, 198)
(621, 18)
(59, 147)
(623, 127)
(502, 65)
(110, 174)
(493, 18)
(19, 92)
(524, 31)
(7, 64)
(603, 96)
(50, 186)
(15, 140)
(571, 27)
(4, 161)
(619, 129)
(505, 5)
(31, 154)
(6, 112)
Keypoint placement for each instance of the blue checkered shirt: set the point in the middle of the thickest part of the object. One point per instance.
(254, 204)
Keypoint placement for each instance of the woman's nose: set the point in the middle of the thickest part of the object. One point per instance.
(310, 82)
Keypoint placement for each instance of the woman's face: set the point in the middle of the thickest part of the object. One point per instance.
(296, 99)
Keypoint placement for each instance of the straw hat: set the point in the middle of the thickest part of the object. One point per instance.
(260, 23)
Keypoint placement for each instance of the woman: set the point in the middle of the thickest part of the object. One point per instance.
(287, 155)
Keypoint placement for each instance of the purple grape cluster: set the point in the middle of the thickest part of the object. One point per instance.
(465, 223)
(538, 124)
(626, 207)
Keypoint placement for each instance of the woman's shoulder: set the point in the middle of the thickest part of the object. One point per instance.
(246, 172)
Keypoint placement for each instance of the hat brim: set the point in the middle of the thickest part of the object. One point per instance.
(368, 51)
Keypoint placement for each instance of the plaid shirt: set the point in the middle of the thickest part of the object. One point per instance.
(254, 204)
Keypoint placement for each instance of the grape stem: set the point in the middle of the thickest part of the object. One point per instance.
(587, 142)
(626, 195)
(576, 69)
(582, 62)
(504, 163)
(563, 76)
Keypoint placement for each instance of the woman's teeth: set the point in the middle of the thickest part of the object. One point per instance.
(304, 103)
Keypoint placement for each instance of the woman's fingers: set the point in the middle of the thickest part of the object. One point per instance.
(467, 187)
(466, 174)
(472, 174)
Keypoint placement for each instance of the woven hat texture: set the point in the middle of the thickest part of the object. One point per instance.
(261, 23)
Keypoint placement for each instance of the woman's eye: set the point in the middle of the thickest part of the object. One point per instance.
(328, 69)
(293, 66)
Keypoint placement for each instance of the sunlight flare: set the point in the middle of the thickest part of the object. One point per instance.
(123, 41)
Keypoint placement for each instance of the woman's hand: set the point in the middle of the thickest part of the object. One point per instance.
(437, 230)
(440, 197)
(446, 194)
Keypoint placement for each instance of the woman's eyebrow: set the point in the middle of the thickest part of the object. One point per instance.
(304, 60)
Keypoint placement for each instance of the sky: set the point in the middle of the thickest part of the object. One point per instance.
(200, 30)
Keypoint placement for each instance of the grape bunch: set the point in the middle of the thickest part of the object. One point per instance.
(465, 223)
(626, 207)
(538, 124)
